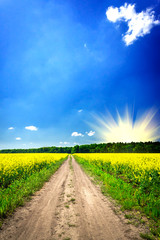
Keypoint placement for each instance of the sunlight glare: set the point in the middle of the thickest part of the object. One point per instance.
(125, 129)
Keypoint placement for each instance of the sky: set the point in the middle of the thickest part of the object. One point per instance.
(64, 62)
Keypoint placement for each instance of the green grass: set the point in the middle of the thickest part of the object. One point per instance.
(70, 163)
(128, 216)
(129, 196)
(73, 200)
(20, 190)
(71, 225)
(146, 236)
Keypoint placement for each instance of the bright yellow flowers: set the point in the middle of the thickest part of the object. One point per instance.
(22, 165)
(134, 166)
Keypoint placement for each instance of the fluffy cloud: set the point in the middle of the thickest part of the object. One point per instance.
(139, 24)
(65, 143)
(76, 134)
(91, 133)
(80, 110)
(31, 128)
(10, 128)
(18, 138)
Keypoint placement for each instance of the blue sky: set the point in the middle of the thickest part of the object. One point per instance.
(61, 62)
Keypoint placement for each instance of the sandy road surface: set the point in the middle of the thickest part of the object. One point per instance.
(69, 206)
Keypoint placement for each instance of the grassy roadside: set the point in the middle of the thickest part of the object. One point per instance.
(20, 190)
(126, 194)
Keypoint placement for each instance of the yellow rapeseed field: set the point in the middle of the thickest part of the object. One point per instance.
(135, 166)
(20, 165)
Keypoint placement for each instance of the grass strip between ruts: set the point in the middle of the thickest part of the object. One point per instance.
(21, 190)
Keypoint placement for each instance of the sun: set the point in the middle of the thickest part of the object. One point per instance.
(128, 128)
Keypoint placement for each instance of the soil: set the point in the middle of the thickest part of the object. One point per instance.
(69, 206)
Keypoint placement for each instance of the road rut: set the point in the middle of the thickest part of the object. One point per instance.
(69, 206)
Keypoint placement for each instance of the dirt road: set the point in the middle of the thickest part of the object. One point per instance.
(69, 206)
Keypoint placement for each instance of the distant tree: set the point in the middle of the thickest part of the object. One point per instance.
(139, 147)
(75, 149)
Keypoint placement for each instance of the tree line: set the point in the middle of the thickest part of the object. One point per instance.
(133, 147)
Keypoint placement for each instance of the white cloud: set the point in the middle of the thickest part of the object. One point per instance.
(18, 138)
(91, 133)
(31, 128)
(139, 24)
(65, 143)
(80, 110)
(85, 45)
(10, 128)
(76, 134)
